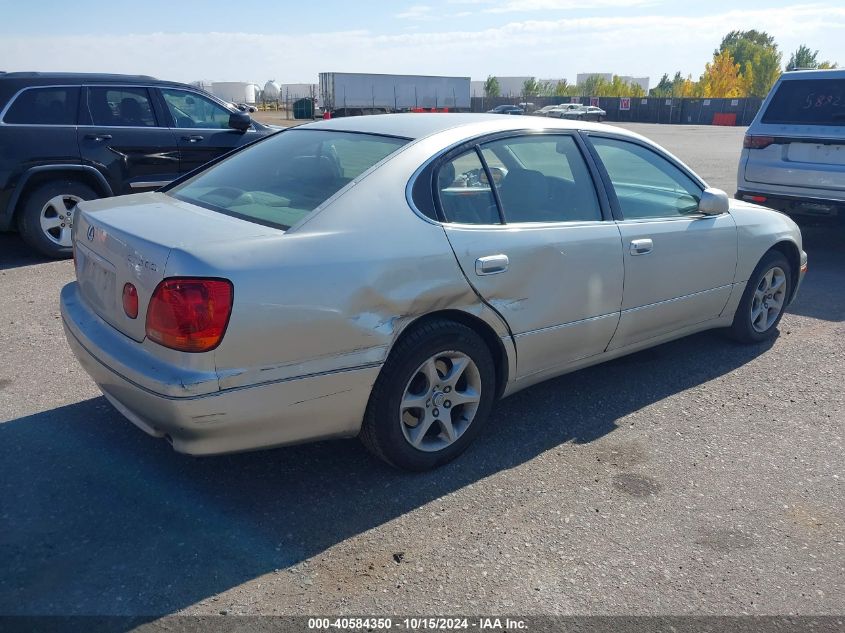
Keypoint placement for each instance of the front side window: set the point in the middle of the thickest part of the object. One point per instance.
(120, 107)
(44, 106)
(465, 193)
(646, 184)
(191, 110)
(544, 178)
(280, 180)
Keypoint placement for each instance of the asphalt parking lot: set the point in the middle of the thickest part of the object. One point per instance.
(700, 477)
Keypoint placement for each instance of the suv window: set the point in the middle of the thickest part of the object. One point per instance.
(282, 179)
(647, 185)
(808, 102)
(44, 106)
(120, 107)
(191, 110)
(547, 181)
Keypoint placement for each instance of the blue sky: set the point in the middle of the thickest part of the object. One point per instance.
(293, 41)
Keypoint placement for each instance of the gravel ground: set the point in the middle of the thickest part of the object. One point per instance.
(700, 477)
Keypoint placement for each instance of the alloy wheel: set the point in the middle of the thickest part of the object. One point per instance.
(57, 218)
(440, 401)
(769, 299)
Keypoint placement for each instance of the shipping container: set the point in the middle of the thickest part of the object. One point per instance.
(392, 93)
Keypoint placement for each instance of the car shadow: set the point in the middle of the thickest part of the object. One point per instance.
(101, 519)
(14, 253)
(822, 294)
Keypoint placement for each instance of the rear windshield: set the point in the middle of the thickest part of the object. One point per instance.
(808, 102)
(279, 181)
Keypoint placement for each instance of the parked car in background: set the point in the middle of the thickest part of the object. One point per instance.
(559, 112)
(793, 156)
(72, 137)
(585, 113)
(506, 109)
(249, 306)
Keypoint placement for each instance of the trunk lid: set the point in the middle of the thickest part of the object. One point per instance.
(817, 163)
(129, 240)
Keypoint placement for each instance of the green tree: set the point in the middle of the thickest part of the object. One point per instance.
(531, 87)
(592, 86)
(803, 57)
(758, 58)
(663, 87)
(561, 88)
(491, 87)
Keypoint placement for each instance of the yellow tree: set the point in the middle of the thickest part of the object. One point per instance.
(721, 78)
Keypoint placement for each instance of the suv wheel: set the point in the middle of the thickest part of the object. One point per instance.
(46, 220)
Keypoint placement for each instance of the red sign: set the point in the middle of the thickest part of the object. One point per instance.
(594, 101)
(575, 100)
(625, 103)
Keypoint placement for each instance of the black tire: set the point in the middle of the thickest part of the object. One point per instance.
(742, 328)
(382, 430)
(29, 217)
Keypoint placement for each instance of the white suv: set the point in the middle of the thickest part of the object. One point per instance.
(793, 156)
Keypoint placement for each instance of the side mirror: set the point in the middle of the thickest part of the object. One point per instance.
(240, 121)
(714, 202)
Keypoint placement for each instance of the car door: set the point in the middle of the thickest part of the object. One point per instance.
(201, 126)
(538, 246)
(121, 134)
(679, 264)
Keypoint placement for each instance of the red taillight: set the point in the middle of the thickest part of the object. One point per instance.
(756, 199)
(189, 314)
(130, 300)
(757, 142)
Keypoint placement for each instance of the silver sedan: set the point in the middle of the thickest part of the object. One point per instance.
(391, 277)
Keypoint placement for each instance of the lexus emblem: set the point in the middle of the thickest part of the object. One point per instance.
(90, 233)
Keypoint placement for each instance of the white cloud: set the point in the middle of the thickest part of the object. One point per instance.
(635, 45)
(416, 12)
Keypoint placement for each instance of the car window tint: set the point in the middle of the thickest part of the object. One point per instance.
(120, 107)
(191, 110)
(464, 191)
(280, 180)
(808, 102)
(647, 185)
(44, 106)
(547, 180)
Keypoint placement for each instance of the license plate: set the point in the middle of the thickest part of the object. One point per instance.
(96, 278)
(813, 153)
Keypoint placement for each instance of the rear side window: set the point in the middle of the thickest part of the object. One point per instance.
(120, 107)
(44, 106)
(277, 182)
(808, 102)
(548, 180)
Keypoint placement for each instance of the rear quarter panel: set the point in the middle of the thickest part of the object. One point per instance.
(335, 292)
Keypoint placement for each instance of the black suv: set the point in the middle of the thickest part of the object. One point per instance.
(70, 137)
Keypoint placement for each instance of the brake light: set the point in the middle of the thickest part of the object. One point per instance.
(130, 300)
(189, 314)
(755, 199)
(757, 142)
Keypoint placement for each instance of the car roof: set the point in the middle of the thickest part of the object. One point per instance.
(76, 76)
(414, 125)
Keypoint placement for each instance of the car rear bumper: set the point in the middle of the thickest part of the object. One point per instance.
(794, 204)
(246, 418)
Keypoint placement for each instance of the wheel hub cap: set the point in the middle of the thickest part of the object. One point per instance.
(440, 401)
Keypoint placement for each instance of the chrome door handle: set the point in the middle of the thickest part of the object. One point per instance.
(98, 137)
(196, 138)
(491, 264)
(641, 247)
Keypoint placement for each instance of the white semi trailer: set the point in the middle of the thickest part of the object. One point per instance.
(349, 93)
